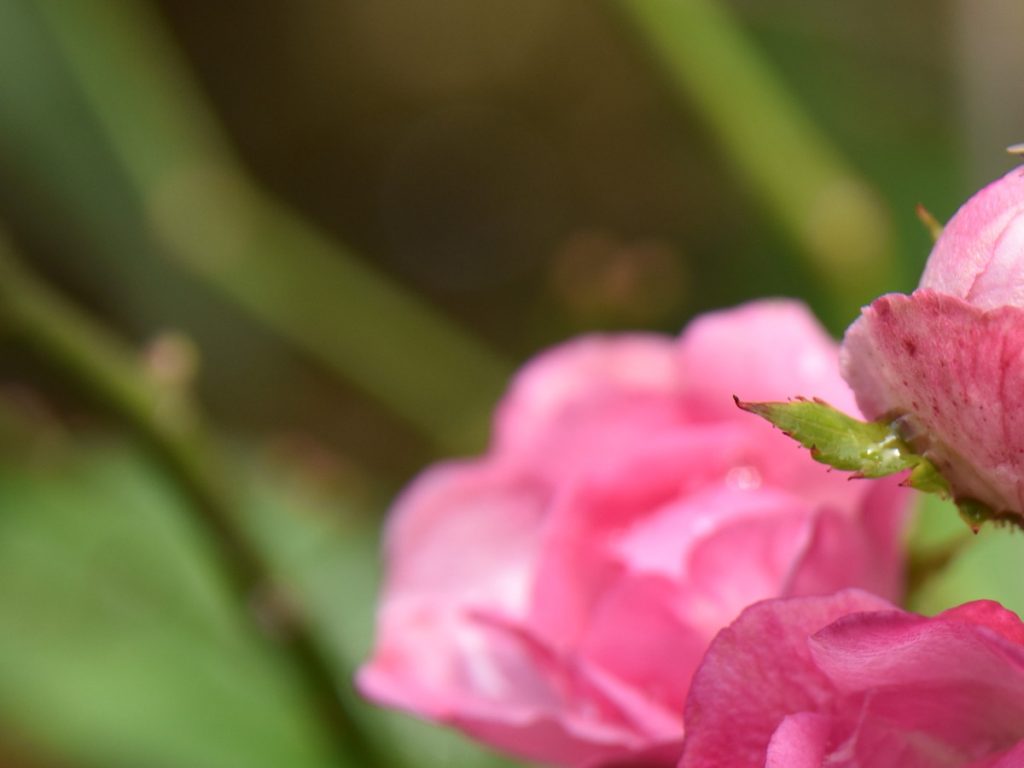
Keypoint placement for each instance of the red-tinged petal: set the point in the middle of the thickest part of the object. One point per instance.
(1012, 758)
(947, 688)
(957, 371)
(756, 673)
(865, 651)
(800, 741)
(977, 257)
(991, 615)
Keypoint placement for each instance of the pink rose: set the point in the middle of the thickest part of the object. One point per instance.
(554, 597)
(949, 359)
(849, 681)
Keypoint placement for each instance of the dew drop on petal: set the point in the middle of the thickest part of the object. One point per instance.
(744, 478)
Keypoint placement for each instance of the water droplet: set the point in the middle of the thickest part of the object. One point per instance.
(744, 478)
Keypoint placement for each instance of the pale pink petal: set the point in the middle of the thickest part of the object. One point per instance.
(636, 634)
(762, 351)
(587, 398)
(800, 741)
(464, 535)
(1002, 282)
(490, 516)
(957, 369)
(862, 549)
(577, 560)
(773, 536)
(758, 671)
(771, 350)
(970, 240)
(578, 715)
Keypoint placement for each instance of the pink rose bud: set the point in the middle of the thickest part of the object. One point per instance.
(554, 597)
(849, 680)
(947, 360)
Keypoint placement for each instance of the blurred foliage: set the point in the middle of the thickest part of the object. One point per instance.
(360, 212)
(119, 647)
(982, 566)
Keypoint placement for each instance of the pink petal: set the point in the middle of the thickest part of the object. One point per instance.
(1002, 282)
(484, 512)
(800, 741)
(958, 370)
(944, 686)
(863, 549)
(758, 671)
(587, 398)
(991, 615)
(577, 562)
(975, 241)
(765, 350)
(463, 535)
(578, 715)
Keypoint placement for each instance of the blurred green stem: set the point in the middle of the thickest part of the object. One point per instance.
(923, 565)
(165, 418)
(800, 178)
(217, 223)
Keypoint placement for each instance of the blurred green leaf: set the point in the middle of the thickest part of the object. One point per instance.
(116, 642)
(331, 555)
(984, 566)
(216, 222)
(119, 648)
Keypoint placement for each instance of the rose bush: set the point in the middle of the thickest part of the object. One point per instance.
(554, 597)
(849, 680)
(949, 359)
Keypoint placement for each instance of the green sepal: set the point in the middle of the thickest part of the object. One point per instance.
(868, 448)
(927, 478)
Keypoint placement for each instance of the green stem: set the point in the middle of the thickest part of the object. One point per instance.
(220, 226)
(774, 146)
(167, 420)
(923, 565)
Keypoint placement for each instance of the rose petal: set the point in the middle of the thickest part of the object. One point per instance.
(958, 370)
(859, 549)
(577, 560)
(800, 741)
(954, 684)
(465, 531)
(758, 671)
(976, 240)
(765, 350)
(589, 398)
(463, 535)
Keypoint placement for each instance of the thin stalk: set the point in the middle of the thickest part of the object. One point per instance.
(775, 148)
(164, 416)
(220, 226)
(923, 565)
